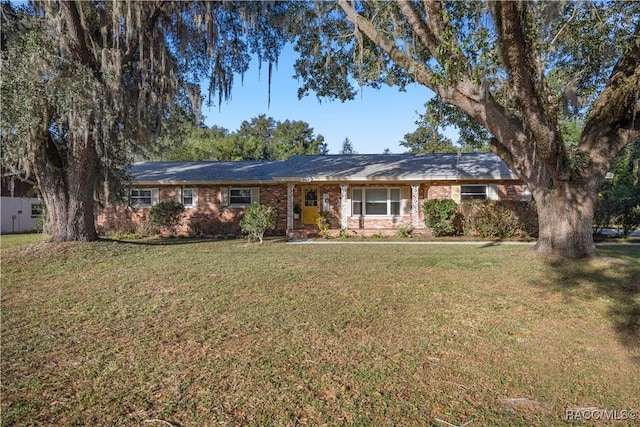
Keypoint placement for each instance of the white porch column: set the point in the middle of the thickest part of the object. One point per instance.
(344, 219)
(290, 188)
(415, 201)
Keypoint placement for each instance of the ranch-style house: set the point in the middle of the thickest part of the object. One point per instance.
(363, 193)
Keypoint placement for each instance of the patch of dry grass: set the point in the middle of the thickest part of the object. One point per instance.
(226, 333)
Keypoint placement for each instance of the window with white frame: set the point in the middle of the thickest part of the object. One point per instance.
(240, 196)
(141, 197)
(188, 197)
(468, 192)
(375, 201)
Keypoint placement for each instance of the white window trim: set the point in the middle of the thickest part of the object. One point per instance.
(490, 191)
(463, 194)
(154, 197)
(255, 197)
(194, 196)
(364, 203)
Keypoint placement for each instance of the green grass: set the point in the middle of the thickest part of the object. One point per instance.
(10, 241)
(230, 333)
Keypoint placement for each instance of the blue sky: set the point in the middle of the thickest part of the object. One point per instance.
(375, 120)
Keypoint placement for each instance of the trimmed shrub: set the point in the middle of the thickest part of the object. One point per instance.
(499, 219)
(257, 219)
(166, 215)
(440, 216)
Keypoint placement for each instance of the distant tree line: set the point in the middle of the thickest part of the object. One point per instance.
(261, 138)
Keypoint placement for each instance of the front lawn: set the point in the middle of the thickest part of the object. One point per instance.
(229, 333)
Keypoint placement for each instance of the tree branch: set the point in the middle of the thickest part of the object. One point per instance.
(132, 49)
(76, 32)
(528, 88)
(419, 26)
(618, 105)
(420, 72)
(613, 121)
(479, 104)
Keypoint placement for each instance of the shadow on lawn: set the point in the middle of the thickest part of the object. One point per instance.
(616, 276)
(173, 241)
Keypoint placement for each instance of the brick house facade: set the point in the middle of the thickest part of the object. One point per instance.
(362, 193)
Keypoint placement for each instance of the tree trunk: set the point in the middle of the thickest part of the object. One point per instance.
(565, 217)
(67, 185)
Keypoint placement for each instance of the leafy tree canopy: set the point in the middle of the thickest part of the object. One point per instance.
(429, 136)
(503, 72)
(261, 138)
(87, 85)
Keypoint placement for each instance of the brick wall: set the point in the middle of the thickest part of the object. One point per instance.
(510, 191)
(506, 191)
(276, 195)
(438, 191)
(210, 218)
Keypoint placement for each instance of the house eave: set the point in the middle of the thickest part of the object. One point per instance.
(201, 182)
(332, 179)
(407, 179)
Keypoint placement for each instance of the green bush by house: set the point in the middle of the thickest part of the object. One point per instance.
(498, 219)
(166, 215)
(257, 219)
(488, 219)
(440, 216)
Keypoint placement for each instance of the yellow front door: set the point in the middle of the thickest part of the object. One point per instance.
(310, 205)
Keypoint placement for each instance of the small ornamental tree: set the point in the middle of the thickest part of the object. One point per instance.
(166, 215)
(440, 215)
(257, 219)
(323, 224)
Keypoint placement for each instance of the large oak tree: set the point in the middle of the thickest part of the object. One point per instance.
(87, 85)
(514, 67)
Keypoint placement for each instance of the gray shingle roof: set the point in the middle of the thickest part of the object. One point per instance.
(354, 167)
(204, 172)
(404, 167)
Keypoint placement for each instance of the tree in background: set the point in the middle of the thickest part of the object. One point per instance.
(261, 138)
(86, 85)
(347, 148)
(428, 137)
(196, 143)
(424, 140)
(619, 199)
(295, 138)
(513, 68)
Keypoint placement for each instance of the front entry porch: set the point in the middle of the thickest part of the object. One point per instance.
(355, 209)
